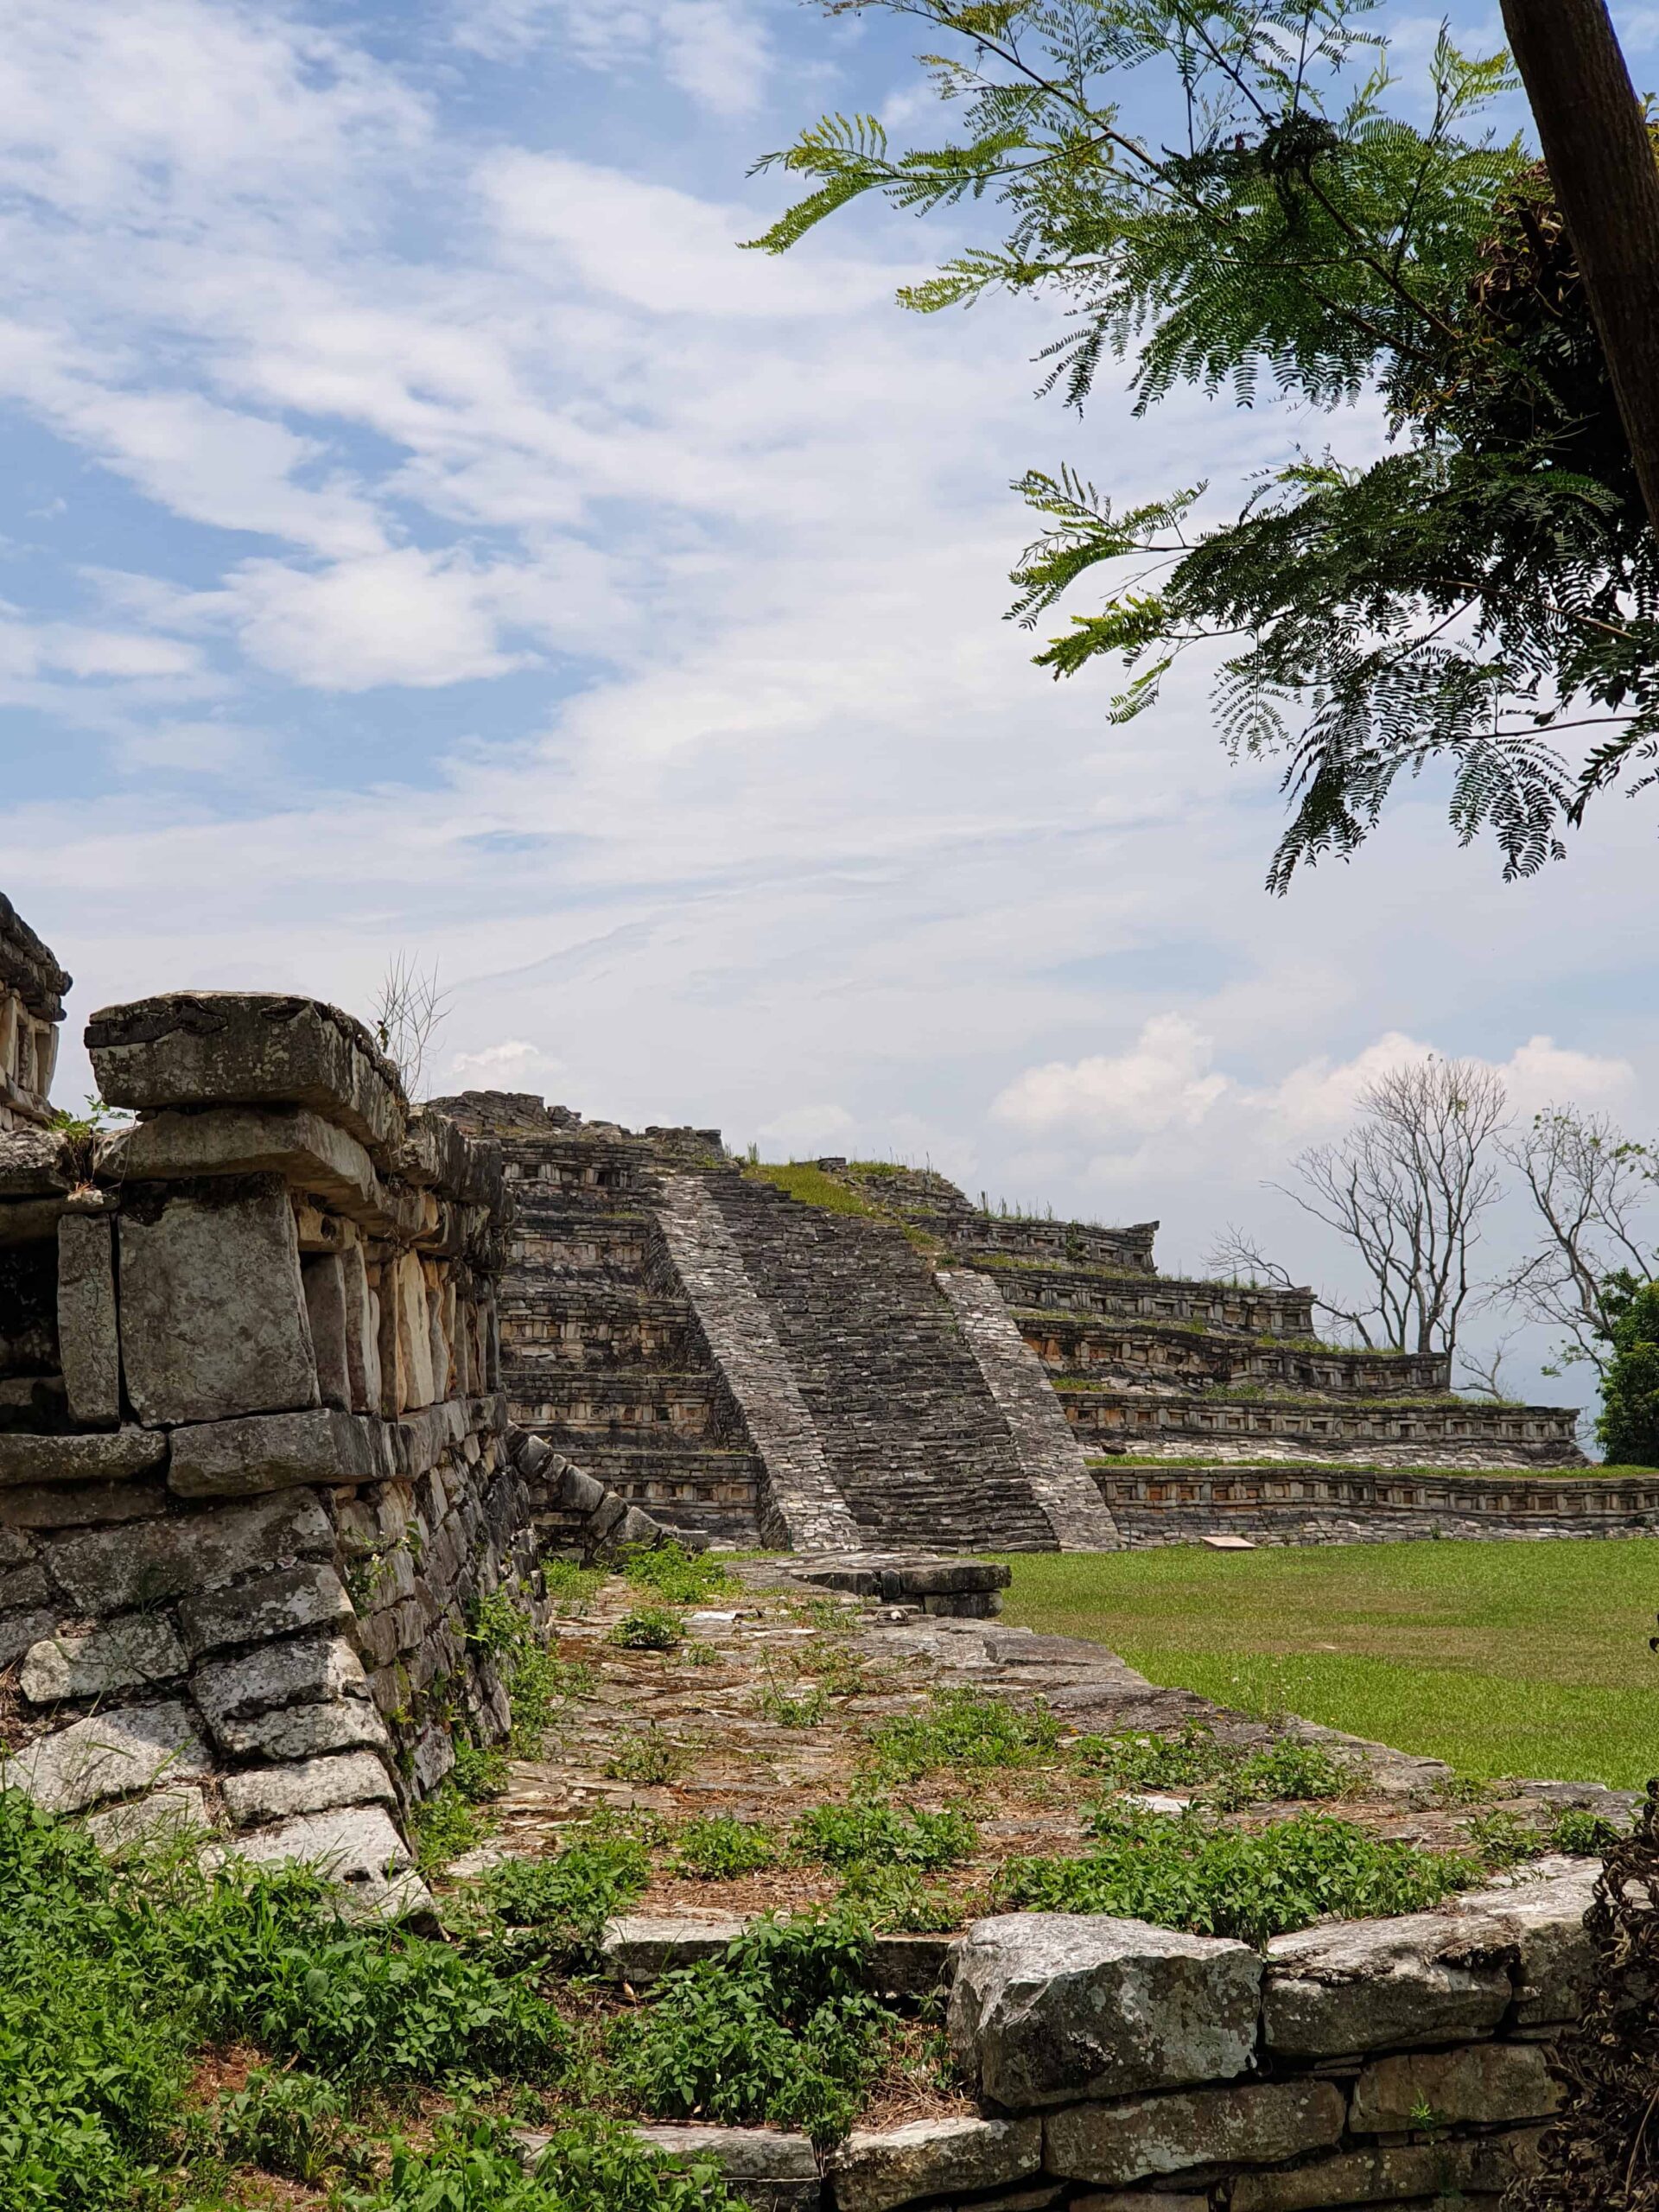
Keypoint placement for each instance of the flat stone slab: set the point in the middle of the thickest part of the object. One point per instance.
(1377, 1985)
(637, 1946)
(241, 1048)
(104, 1571)
(1050, 2006)
(109, 1755)
(1538, 1915)
(240, 1457)
(261, 1795)
(874, 2171)
(164, 1815)
(113, 1456)
(1490, 2082)
(1256, 2124)
(771, 2171)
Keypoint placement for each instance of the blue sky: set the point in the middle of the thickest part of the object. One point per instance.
(429, 534)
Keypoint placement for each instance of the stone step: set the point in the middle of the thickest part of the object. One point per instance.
(1124, 1353)
(616, 1405)
(1085, 1294)
(627, 1329)
(1538, 1435)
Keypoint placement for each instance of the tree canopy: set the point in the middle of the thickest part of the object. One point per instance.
(1487, 591)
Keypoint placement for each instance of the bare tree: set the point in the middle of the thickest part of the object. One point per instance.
(1483, 1376)
(409, 1012)
(1591, 1186)
(1405, 1190)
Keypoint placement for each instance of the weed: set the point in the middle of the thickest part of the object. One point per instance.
(876, 1834)
(649, 1755)
(808, 1710)
(840, 1672)
(720, 1848)
(1582, 1834)
(1286, 1772)
(443, 1826)
(1194, 1874)
(962, 1729)
(676, 1576)
(554, 1910)
(696, 1653)
(779, 2030)
(572, 1588)
(293, 2124)
(896, 1897)
(652, 1628)
(473, 2165)
(1504, 1839)
(1152, 1761)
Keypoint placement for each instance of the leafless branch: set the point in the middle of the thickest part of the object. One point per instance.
(1591, 1189)
(409, 1012)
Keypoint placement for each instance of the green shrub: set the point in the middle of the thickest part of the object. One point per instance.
(652, 1628)
(1505, 1839)
(1628, 1425)
(965, 1729)
(1192, 1873)
(676, 1576)
(1285, 1772)
(897, 1898)
(473, 2165)
(572, 1588)
(779, 2030)
(720, 1847)
(876, 1834)
(543, 1909)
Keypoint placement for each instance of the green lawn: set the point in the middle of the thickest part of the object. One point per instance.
(1505, 1658)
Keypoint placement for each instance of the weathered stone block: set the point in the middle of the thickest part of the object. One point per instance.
(107, 1570)
(78, 1458)
(19, 1631)
(1493, 2082)
(358, 1847)
(1387, 2173)
(87, 1336)
(875, 2170)
(213, 1048)
(162, 1815)
(310, 1731)
(78, 1505)
(1046, 2007)
(637, 1946)
(213, 1314)
(324, 1279)
(238, 1459)
(1257, 2124)
(1377, 1985)
(578, 1493)
(1140, 2200)
(261, 1795)
(111, 1755)
(310, 1153)
(133, 1648)
(279, 1603)
(23, 1586)
(770, 2170)
(310, 1670)
(362, 1331)
(1538, 1919)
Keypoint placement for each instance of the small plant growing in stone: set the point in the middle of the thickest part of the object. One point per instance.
(1504, 1839)
(650, 1628)
(785, 1709)
(572, 1588)
(1582, 1834)
(720, 1848)
(897, 1898)
(650, 1755)
(676, 1575)
(695, 1652)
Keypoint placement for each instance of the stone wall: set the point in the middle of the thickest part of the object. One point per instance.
(1327, 1505)
(255, 1466)
(1119, 2067)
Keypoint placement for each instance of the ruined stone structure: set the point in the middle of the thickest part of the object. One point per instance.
(894, 1365)
(32, 987)
(255, 1473)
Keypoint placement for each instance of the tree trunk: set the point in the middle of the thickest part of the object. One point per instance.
(1606, 179)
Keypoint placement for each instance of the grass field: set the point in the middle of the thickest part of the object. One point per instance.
(1505, 1658)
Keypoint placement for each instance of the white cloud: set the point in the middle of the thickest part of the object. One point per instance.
(513, 1065)
(190, 748)
(1162, 1081)
(807, 1131)
(716, 52)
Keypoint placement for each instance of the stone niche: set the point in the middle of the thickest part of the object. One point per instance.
(254, 1466)
(32, 987)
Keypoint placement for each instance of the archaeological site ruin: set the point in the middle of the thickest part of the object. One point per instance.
(296, 1376)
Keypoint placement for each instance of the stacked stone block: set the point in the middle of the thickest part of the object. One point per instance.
(255, 1474)
(32, 987)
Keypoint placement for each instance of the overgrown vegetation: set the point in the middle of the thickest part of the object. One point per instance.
(1192, 1872)
(1229, 1779)
(871, 1832)
(720, 1848)
(676, 1576)
(962, 1729)
(595, 2165)
(780, 2029)
(1628, 1427)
